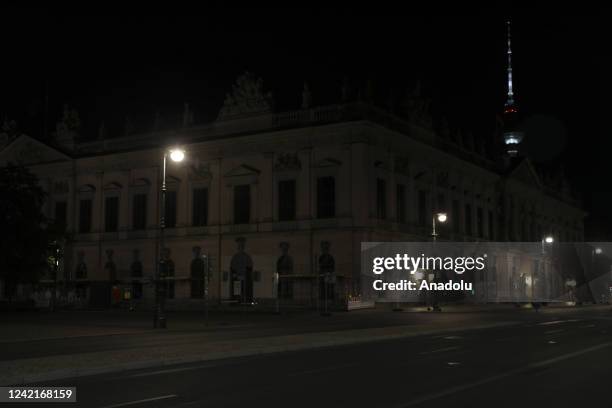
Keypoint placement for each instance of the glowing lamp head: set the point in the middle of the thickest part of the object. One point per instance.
(598, 251)
(549, 240)
(441, 217)
(177, 155)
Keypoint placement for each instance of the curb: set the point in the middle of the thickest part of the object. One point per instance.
(81, 372)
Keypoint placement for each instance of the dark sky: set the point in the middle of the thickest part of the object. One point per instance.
(112, 66)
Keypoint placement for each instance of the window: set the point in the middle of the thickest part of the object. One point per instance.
(85, 207)
(401, 203)
(170, 213)
(456, 217)
(422, 205)
(326, 197)
(468, 219)
(200, 207)
(480, 222)
(381, 199)
(139, 211)
(242, 204)
(61, 213)
(491, 230)
(111, 214)
(286, 200)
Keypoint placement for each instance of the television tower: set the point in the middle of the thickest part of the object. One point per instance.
(512, 136)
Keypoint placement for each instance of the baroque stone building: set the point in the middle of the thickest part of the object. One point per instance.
(263, 193)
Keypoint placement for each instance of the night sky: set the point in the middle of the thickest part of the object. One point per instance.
(109, 67)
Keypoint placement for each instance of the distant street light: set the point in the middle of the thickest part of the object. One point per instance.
(549, 239)
(594, 252)
(176, 155)
(441, 217)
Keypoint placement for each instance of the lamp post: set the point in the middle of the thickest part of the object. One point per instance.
(440, 217)
(594, 252)
(176, 155)
(547, 240)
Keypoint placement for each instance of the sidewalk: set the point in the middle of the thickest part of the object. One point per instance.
(31, 370)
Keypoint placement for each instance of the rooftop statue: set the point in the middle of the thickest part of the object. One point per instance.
(247, 97)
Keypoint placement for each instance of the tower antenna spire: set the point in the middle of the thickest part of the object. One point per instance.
(513, 136)
(510, 96)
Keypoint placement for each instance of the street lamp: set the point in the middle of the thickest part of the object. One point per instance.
(596, 251)
(176, 155)
(549, 239)
(440, 217)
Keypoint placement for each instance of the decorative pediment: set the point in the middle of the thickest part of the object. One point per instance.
(328, 162)
(287, 162)
(26, 150)
(86, 188)
(525, 173)
(113, 185)
(172, 179)
(247, 98)
(243, 170)
(141, 182)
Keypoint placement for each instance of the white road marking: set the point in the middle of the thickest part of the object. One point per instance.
(439, 350)
(557, 322)
(460, 388)
(124, 404)
(551, 322)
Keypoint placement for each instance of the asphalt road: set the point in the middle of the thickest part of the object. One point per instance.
(192, 328)
(544, 361)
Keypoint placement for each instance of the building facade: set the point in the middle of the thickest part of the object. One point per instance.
(264, 194)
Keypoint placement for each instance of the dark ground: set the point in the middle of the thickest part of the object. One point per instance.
(548, 359)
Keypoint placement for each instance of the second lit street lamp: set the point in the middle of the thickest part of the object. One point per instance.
(440, 217)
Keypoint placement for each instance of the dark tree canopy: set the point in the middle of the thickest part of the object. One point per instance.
(25, 229)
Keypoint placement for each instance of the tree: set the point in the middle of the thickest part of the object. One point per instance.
(25, 229)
